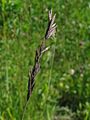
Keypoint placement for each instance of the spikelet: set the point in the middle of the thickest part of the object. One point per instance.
(51, 30)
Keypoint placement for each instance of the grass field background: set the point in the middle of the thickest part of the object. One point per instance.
(62, 89)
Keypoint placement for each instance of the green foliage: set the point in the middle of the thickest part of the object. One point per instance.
(62, 89)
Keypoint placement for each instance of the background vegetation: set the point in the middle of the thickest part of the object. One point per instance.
(62, 90)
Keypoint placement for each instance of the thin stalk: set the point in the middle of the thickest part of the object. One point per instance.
(50, 74)
(52, 62)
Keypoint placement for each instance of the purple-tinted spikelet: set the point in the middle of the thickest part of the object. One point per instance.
(51, 25)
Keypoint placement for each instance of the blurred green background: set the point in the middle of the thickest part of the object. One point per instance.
(62, 89)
